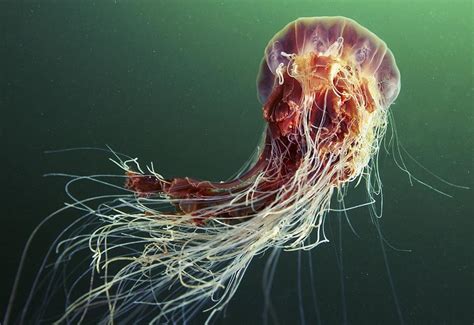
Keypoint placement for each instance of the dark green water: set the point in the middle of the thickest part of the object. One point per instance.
(174, 82)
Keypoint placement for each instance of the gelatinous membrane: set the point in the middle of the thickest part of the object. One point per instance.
(325, 84)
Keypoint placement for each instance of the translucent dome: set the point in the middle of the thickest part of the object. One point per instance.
(331, 36)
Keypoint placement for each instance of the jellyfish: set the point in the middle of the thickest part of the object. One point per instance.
(164, 249)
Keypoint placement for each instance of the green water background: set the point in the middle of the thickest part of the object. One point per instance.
(173, 82)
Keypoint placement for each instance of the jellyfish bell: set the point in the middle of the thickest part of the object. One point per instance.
(340, 38)
(182, 244)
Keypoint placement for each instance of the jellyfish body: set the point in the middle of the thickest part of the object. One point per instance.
(179, 244)
(325, 85)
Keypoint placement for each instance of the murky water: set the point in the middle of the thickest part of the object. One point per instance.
(173, 82)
